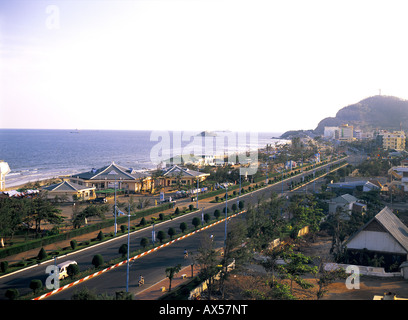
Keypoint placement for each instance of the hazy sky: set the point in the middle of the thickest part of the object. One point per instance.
(196, 64)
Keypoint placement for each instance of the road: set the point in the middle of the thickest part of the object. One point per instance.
(151, 266)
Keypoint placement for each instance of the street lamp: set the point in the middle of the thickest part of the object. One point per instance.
(116, 226)
(128, 252)
(226, 214)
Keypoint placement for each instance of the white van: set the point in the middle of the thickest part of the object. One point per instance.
(62, 267)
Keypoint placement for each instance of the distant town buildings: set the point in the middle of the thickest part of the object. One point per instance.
(384, 138)
(391, 140)
(344, 132)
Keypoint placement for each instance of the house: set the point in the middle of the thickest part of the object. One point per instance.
(399, 177)
(366, 185)
(113, 174)
(72, 191)
(384, 235)
(348, 203)
(175, 174)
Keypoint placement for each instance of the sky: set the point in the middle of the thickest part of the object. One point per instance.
(234, 65)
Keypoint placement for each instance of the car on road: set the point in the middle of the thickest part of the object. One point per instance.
(63, 268)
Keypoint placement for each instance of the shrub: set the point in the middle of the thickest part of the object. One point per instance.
(161, 236)
(144, 242)
(217, 214)
(241, 205)
(12, 294)
(177, 211)
(142, 222)
(196, 222)
(72, 270)
(3, 266)
(36, 285)
(183, 226)
(190, 207)
(207, 218)
(171, 232)
(73, 244)
(123, 228)
(42, 254)
(123, 250)
(97, 260)
(161, 216)
(100, 236)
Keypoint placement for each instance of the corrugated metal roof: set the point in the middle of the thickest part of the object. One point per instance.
(391, 224)
(394, 226)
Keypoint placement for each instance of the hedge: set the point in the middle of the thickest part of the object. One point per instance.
(37, 243)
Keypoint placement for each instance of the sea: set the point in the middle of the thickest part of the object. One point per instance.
(38, 154)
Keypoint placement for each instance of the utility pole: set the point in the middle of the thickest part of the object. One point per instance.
(128, 251)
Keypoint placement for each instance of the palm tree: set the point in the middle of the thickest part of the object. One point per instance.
(171, 271)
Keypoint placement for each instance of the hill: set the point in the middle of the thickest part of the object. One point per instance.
(382, 112)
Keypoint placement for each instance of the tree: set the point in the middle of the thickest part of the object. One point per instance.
(142, 222)
(207, 260)
(326, 277)
(73, 243)
(97, 260)
(72, 270)
(177, 211)
(296, 265)
(195, 222)
(241, 205)
(170, 272)
(183, 226)
(80, 217)
(100, 236)
(123, 249)
(207, 217)
(12, 294)
(42, 254)
(171, 232)
(36, 285)
(217, 214)
(144, 242)
(161, 236)
(41, 209)
(233, 251)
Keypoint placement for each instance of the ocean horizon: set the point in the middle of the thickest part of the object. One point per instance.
(38, 154)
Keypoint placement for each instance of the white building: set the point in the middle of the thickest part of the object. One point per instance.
(330, 132)
(4, 170)
(384, 234)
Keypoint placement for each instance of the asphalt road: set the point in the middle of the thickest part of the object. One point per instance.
(151, 266)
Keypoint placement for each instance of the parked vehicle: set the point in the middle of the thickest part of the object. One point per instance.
(100, 200)
(63, 267)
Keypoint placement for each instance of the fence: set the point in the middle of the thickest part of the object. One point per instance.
(363, 270)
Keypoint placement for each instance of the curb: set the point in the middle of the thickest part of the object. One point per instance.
(46, 295)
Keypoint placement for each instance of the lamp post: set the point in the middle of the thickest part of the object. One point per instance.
(197, 194)
(128, 252)
(116, 227)
(226, 215)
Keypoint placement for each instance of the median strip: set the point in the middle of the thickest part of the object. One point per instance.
(46, 295)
